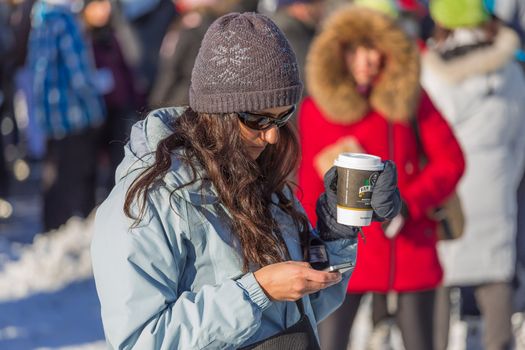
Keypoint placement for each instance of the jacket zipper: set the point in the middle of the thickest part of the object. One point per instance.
(392, 263)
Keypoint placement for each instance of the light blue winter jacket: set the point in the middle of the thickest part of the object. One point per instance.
(176, 281)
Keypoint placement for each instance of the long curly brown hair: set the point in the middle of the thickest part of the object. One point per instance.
(244, 186)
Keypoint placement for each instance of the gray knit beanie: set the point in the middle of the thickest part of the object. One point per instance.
(244, 64)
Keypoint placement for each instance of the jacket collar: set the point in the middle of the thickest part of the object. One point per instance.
(139, 154)
(479, 61)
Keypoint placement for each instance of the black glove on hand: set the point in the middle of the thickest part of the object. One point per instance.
(326, 210)
(386, 201)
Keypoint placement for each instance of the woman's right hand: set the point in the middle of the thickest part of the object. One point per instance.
(291, 280)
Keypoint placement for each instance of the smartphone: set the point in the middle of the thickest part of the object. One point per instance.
(342, 268)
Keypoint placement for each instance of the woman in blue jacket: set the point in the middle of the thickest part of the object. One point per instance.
(201, 243)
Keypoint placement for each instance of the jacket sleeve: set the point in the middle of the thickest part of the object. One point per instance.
(339, 251)
(328, 300)
(516, 104)
(78, 65)
(138, 273)
(445, 162)
(72, 50)
(172, 82)
(310, 183)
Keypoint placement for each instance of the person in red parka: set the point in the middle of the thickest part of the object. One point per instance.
(362, 74)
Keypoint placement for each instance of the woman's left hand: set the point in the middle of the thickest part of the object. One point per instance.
(386, 200)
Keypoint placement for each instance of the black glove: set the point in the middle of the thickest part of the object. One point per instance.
(385, 202)
(326, 210)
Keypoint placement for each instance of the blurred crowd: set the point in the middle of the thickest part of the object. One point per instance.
(437, 86)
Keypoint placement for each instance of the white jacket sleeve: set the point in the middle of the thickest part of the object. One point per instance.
(138, 273)
(516, 109)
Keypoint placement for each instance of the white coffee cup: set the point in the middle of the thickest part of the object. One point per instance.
(357, 174)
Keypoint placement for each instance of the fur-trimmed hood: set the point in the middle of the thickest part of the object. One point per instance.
(479, 61)
(396, 92)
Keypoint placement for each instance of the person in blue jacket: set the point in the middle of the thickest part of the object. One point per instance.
(69, 108)
(201, 244)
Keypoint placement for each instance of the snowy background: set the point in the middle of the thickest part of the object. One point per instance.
(48, 298)
(47, 292)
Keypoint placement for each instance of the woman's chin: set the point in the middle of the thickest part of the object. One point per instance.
(255, 152)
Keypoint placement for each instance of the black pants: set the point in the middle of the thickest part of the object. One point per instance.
(69, 178)
(414, 317)
(4, 175)
(112, 138)
(6, 112)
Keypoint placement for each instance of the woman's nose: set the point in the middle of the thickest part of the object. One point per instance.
(270, 135)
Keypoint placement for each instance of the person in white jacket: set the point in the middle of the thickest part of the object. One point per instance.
(470, 73)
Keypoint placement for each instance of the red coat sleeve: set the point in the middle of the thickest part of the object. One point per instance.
(310, 183)
(445, 162)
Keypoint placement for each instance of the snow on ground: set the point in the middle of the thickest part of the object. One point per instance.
(47, 293)
(68, 318)
(50, 263)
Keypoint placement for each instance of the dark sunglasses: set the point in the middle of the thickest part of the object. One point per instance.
(258, 121)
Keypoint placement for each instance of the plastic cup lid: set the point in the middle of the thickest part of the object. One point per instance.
(359, 161)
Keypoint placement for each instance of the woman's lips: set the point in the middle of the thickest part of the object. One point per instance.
(258, 147)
